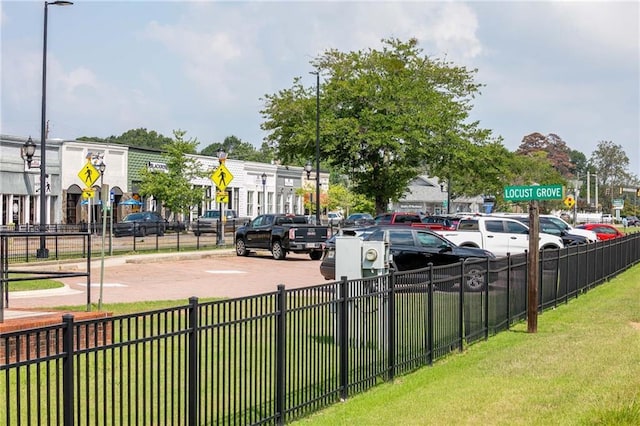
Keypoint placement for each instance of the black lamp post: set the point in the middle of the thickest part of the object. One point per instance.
(43, 252)
(264, 192)
(308, 165)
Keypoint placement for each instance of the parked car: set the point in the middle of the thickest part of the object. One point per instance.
(448, 222)
(410, 249)
(499, 235)
(208, 222)
(633, 221)
(604, 231)
(358, 219)
(140, 224)
(547, 226)
(334, 218)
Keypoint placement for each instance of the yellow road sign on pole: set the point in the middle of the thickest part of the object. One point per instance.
(222, 197)
(569, 201)
(88, 174)
(222, 177)
(87, 193)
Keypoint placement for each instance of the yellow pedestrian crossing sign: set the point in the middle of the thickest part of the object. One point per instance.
(89, 174)
(222, 177)
(222, 197)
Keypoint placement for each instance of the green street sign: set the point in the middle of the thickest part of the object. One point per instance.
(534, 192)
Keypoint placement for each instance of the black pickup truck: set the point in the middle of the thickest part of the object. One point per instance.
(281, 234)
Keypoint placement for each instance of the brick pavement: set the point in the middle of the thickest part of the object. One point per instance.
(175, 276)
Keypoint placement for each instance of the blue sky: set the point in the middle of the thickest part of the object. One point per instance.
(569, 68)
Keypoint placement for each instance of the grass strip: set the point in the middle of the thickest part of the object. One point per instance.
(581, 368)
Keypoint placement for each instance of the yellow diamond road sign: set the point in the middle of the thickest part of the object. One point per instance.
(88, 174)
(87, 193)
(222, 177)
(222, 197)
(569, 201)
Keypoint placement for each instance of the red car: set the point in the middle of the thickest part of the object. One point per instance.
(604, 231)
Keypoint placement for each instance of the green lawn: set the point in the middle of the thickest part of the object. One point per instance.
(581, 368)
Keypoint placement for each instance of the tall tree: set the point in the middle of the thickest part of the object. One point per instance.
(238, 150)
(580, 163)
(558, 153)
(385, 116)
(173, 188)
(611, 163)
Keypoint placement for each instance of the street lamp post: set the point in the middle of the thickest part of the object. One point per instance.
(317, 74)
(103, 202)
(43, 252)
(264, 192)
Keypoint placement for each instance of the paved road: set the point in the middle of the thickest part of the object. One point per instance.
(217, 273)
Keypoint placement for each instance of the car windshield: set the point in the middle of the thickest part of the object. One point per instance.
(132, 217)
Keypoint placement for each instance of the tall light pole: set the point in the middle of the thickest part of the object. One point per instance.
(317, 74)
(103, 202)
(43, 252)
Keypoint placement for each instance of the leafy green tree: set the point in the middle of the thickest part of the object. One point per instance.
(173, 188)
(239, 150)
(580, 164)
(141, 138)
(385, 116)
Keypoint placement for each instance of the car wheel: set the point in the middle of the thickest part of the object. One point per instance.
(143, 231)
(474, 280)
(241, 248)
(315, 255)
(160, 232)
(277, 250)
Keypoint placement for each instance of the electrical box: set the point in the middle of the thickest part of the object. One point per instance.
(348, 257)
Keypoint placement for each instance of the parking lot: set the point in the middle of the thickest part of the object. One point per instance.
(178, 276)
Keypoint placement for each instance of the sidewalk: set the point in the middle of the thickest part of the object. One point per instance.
(96, 262)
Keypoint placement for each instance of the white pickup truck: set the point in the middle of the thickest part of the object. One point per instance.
(498, 235)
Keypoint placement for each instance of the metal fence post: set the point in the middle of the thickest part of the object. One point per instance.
(430, 321)
(194, 389)
(343, 329)
(461, 306)
(67, 370)
(281, 320)
(486, 300)
(391, 344)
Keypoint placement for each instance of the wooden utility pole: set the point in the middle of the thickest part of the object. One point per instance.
(532, 270)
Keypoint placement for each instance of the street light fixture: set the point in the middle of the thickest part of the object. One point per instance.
(28, 149)
(43, 252)
(264, 192)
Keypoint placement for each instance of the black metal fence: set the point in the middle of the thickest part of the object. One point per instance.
(23, 246)
(275, 357)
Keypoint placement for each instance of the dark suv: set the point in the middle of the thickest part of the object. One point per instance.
(140, 224)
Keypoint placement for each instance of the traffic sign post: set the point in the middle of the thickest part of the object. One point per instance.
(533, 194)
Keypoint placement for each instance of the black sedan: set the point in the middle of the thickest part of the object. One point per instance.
(140, 225)
(358, 219)
(411, 249)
